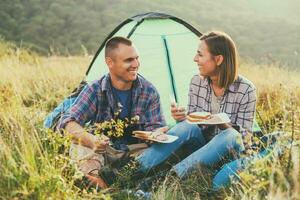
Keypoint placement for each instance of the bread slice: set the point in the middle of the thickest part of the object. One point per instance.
(200, 115)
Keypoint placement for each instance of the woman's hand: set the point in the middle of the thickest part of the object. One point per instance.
(178, 113)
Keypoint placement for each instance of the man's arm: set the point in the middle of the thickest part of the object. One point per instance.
(153, 116)
(82, 137)
(82, 111)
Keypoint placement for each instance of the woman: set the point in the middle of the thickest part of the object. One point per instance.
(218, 88)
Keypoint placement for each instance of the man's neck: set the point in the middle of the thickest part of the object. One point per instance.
(120, 85)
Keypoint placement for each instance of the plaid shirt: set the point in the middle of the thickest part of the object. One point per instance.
(238, 102)
(96, 103)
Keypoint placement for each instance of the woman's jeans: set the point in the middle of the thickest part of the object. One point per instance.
(230, 170)
(206, 152)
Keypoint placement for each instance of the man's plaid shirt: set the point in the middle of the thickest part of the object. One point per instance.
(96, 103)
(238, 102)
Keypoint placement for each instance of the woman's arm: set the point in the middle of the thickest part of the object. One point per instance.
(246, 110)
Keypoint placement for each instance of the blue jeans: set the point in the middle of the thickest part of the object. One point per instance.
(230, 170)
(207, 152)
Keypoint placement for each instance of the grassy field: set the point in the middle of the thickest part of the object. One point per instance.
(34, 166)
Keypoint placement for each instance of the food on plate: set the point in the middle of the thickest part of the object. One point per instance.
(199, 116)
(159, 136)
(207, 118)
(148, 135)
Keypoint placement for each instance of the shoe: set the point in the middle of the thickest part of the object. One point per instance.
(97, 181)
(108, 174)
(91, 181)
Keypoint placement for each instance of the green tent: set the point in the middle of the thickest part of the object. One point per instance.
(166, 46)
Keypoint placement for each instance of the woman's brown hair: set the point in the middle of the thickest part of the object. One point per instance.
(219, 43)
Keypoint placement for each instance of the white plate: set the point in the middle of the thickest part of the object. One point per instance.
(220, 118)
(171, 138)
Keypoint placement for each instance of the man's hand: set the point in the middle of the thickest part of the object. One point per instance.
(100, 144)
(163, 129)
(178, 113)
(81, 137)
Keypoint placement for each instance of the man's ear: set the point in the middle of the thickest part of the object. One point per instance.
(109, 62)
(219, 59)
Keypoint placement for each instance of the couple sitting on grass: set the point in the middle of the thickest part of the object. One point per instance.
(123, 93)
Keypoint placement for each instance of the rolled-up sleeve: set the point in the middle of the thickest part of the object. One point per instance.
(191, 99)
(83, 110)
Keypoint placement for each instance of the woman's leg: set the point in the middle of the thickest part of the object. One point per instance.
(211, 153)
(158, 153)
(231, 170)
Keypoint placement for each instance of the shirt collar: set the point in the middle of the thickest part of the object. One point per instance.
(235, 85)
(231, 88)
(106, 83)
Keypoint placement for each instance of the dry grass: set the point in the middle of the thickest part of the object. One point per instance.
(33, 166)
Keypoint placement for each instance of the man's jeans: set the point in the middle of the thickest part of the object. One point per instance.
(207, 152)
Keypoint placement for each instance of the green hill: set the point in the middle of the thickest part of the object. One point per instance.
(265, 31)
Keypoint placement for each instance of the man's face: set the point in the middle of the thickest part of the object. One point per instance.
(123, 63)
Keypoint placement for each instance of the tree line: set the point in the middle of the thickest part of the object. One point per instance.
(264, 31)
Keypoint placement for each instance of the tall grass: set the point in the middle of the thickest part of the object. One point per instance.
(33, 164)
(276, 176)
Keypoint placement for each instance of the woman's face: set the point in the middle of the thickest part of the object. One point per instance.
(206, 61)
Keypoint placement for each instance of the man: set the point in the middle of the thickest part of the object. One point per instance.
(122, 89)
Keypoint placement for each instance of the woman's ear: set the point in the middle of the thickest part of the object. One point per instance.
(219, 59)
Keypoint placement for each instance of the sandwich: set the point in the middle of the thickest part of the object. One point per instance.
(148, 135)
(199, 116)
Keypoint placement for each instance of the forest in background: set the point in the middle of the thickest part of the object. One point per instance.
(34, 165)
(265, 31)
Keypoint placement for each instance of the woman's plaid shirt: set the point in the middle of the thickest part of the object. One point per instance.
(238, 102)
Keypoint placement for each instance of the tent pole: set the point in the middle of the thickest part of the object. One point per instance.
(133, 29)
(170, 68)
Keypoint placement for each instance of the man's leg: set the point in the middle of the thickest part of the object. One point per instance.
(89, 163)
(211, 153)
(158, 153)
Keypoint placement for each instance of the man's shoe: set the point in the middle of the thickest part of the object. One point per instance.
(97, 180)
(91, 181)
(108, 174)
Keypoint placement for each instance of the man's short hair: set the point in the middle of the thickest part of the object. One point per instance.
(113, 43)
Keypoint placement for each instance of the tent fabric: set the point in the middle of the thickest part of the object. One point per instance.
(166, 46)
